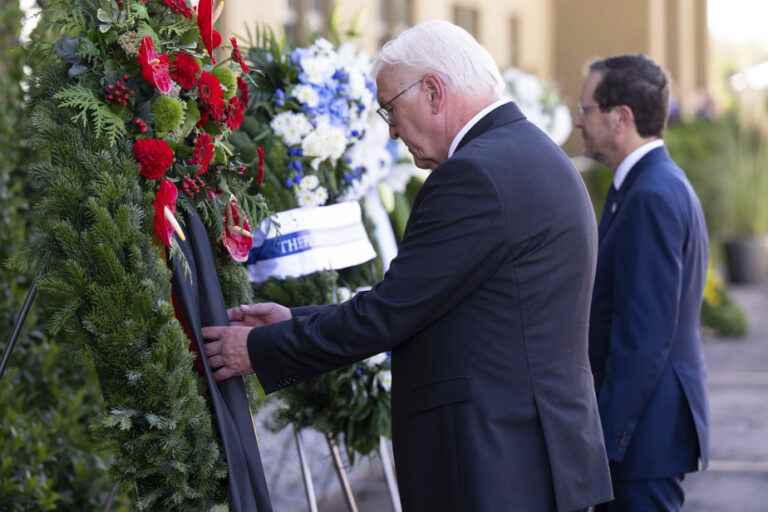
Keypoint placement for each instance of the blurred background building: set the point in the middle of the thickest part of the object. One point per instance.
(553, 39)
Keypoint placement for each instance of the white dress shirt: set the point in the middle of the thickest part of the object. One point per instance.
(631, 159)
(472, 122)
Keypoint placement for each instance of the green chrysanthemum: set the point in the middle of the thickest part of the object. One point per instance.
(228, 81)
(169, 114)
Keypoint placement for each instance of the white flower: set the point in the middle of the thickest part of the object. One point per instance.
(325, 142)
(291, 127)
(320, 196)
(384, 378)
(308, 198)
(376, 360)
(309, 182)
(318, 70)
(306, 94)
(343, 294)
(305, 198)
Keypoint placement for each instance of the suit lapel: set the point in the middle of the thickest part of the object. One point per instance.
(615, 198)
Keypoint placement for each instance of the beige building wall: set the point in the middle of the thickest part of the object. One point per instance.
(514, 31)
(555, 39)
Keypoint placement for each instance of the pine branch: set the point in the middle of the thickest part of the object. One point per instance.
(105, 122)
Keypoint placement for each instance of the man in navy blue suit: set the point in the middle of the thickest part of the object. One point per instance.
(485, 308)
(644, 341)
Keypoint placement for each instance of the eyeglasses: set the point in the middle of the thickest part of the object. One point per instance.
(583, 110)
(385, 111)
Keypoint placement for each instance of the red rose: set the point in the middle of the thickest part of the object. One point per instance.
(237, 56)
(184, 70)
(237, 236)
(179, 7)
(203, 153)
(154, 66)
(165, 198)
(235, 113)
(155, 157)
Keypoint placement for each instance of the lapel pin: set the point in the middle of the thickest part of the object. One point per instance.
(613, 207)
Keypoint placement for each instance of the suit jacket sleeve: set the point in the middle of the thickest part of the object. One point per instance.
(452, 244)
(647, 290)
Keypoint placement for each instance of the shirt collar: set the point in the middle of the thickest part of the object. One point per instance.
(472, 122)
(631, 159)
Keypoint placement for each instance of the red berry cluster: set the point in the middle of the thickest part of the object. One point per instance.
(140, 124)
(192, 186)
(119, 93)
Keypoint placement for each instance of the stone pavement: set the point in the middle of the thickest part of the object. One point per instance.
(737, 480)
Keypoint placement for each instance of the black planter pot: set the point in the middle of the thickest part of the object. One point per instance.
(746, 260)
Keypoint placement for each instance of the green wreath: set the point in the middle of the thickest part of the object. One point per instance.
(132, 107)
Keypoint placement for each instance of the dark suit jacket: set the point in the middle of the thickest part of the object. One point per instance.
(485, 310)
(645, 346)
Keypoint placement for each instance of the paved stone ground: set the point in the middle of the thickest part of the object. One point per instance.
(737, 480)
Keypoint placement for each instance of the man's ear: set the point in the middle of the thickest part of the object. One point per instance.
(435, 92)
(625, 116)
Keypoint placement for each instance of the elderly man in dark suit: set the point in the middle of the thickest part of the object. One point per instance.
(485, 308)
(645, 346)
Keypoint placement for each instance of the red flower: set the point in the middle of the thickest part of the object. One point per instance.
(165, 198)
(155, 157)
(203, 153)
(262, 157)
(237, 56)
(237, 237)
(184, 70)
(211, 95)
(211, 38)
(154, 67)
(179, 7)
(242, 90)
(235, 113)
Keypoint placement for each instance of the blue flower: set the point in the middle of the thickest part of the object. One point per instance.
(297, 55)
(370, 85)
(295, 151)
(279, 97)
(341, 75)
(339, 109)
(288, 183)
(296, 165)
(354, 133)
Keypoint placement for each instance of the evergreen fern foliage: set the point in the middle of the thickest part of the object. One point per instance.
(107, 291)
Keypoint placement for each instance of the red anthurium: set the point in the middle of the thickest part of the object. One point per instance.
(237, 232)
(154, 66)
(164, 199)
(211, 38)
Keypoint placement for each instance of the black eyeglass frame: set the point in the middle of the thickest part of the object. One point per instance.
(385, 110)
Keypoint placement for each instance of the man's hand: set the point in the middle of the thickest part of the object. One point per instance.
(227, 351)
(257, 315)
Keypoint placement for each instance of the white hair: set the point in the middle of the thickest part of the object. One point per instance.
(448, 50)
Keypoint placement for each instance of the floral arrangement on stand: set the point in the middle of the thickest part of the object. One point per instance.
(540, 102)
(130, 120)
(309, 111)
